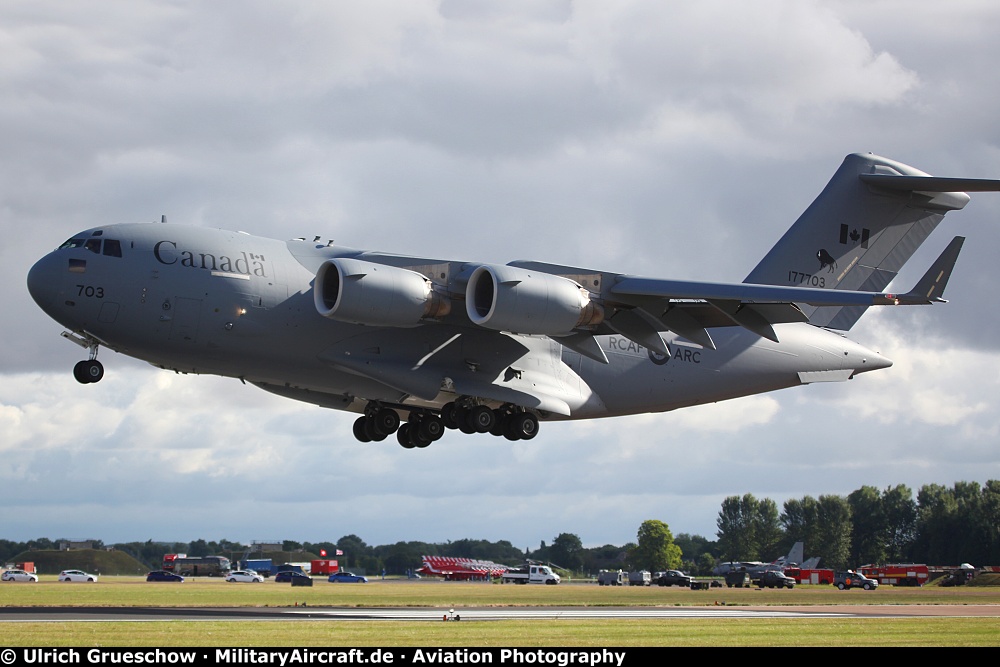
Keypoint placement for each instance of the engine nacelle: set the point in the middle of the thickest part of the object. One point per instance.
(359, 292)
(508, 298)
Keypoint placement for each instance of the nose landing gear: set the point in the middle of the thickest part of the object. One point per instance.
(86, 372)
(90, 370)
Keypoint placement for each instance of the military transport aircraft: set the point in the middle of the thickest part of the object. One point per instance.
(490, 348)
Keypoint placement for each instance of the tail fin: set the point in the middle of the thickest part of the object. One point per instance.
(868, 221)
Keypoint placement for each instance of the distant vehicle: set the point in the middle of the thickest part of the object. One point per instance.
(196, 566)
(611, 578)
(163, 575)
(738, 578)
(347, 578)
(850, 579)
(286, 576)
(77, 575)
(673, 578)
(640, 578)
(772, 579)
(530, 574)
(803, 575)
(898, 574)
(244, 576)
(19, 575)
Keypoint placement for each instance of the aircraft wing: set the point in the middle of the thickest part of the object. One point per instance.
(639, 308)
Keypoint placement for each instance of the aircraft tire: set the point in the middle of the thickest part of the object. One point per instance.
(386, 421)
(431, 427)
(464, 422)
(87, 372)
(372, 432)
(481, 418)
(403, 436)
(448, 416)
(499, 422)
(526, 425)
(359, 430)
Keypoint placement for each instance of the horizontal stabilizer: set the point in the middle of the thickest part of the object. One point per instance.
(930, 183)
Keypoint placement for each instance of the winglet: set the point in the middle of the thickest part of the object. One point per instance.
(930, 288)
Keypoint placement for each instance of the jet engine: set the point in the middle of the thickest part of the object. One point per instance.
(508, 298)
(359, 292)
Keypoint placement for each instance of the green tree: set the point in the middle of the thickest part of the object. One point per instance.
(567, 551)
(655, 549)
(833, 516)
(799, 523)
(900, 512)
(868, 526)
(737, 528)
(767, 529)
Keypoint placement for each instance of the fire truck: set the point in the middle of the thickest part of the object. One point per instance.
(814, 576)
(897, 574)
(324, 567)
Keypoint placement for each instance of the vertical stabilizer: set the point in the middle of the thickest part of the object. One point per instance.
(858, 233)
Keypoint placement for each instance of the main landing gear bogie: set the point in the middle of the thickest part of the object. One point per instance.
(424, 426)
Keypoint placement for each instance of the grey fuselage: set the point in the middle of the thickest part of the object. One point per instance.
(207, 301)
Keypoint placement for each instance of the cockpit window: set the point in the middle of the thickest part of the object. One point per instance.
(112, 248)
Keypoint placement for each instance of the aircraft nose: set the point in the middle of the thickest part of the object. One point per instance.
(42, 281)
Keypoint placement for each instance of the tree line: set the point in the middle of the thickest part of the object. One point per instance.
(941, 526)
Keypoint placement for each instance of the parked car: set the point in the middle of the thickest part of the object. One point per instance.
(773, 579)
(163, 575)
(244, 576)
(347, 577)
(285, 576)
(673, 578)
(77, 575)
(19, 575)
(850, 579)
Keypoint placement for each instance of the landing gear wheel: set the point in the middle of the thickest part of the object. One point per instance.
(403, 436)
(526, 425)
(431, 427)
(464, 420)
(448, 416)
(385, 421)
(481, 419)
(359, 430)
(87, 372)
(373, 433)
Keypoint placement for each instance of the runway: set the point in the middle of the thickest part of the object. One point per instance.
(141, 614)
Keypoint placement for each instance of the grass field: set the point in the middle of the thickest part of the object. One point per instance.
(135, 592)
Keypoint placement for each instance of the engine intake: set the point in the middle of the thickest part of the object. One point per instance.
(508, 298)
(359, 292)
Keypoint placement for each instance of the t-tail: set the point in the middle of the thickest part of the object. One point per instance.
(868, 221)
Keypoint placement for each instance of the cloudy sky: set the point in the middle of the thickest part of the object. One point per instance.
(664, 139)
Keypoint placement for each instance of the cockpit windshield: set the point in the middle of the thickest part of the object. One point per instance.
(107, 247)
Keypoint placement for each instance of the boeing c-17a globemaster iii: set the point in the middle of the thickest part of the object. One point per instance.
(418, 345)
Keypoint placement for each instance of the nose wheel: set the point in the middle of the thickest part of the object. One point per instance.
(86, 372)
(90, 370)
